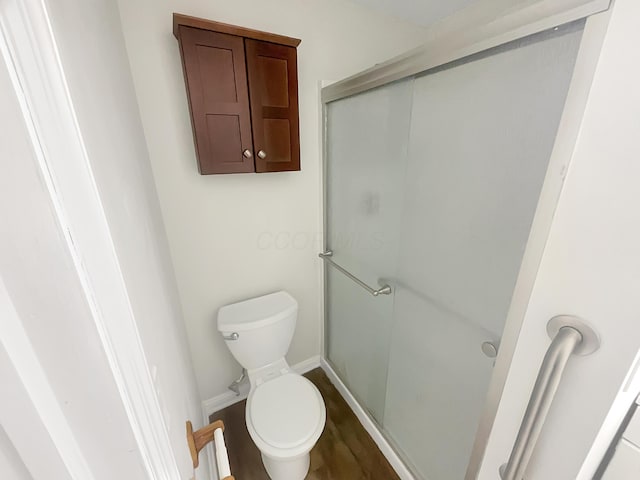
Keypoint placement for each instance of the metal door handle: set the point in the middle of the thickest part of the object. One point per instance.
(383, 290)
(247, 153)
(262, 154)
(490, 349)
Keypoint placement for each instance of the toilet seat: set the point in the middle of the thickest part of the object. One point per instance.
(285, 415)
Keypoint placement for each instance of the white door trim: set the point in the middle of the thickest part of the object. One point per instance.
(30, 52)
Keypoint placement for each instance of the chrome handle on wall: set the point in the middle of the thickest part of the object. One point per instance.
(570, 335)
(384, 290)
(262, 154)
(232, 336)
(247, 154)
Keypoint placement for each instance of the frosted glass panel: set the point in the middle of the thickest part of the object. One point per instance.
(480, 140)
(367, 148)
(432, 184)
(358, 340)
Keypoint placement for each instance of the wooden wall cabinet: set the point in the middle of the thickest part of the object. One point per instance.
(242, 87)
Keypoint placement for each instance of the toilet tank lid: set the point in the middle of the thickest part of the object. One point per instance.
(256, 312)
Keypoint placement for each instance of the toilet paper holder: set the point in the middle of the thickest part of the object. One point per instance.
(200, 438)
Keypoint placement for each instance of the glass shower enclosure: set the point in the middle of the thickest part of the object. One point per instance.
(431, 185)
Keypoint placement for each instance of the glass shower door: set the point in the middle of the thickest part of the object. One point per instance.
(367, 146)
(481, 137)
(432, 184)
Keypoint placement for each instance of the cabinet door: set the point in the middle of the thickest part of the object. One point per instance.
(273, 87)
(216, 79)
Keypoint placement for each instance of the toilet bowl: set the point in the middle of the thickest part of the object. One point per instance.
(285, 413)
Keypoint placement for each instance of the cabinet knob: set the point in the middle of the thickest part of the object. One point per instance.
(262, 154)
(247, 154)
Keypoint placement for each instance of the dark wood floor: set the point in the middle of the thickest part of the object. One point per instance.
(345, 450)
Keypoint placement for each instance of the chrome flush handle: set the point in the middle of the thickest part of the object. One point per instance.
(232, 336)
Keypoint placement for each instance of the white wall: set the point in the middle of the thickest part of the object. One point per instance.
(423, 13)
(590, 268)
(93, 55)
(237, 236)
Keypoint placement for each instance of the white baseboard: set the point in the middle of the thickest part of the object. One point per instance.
(214, 404)
(228, 398)
(307, 365)
(368, 424)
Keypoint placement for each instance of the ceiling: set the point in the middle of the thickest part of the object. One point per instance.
(421, 12)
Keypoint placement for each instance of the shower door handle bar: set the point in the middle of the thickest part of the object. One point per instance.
(570, 335)
(384, 290)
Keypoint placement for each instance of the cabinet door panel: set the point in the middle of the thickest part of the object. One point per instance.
(216, 79)
(273, 88)
(277, 139)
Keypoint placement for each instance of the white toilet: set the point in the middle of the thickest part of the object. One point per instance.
(285, 413)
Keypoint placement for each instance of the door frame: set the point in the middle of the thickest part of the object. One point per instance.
(28, 47)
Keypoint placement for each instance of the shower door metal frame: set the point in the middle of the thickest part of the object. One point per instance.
(464, 34)
(480, 27)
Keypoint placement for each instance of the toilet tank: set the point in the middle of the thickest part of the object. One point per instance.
(263, 328)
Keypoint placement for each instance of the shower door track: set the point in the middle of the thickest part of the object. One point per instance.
(485, 25)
